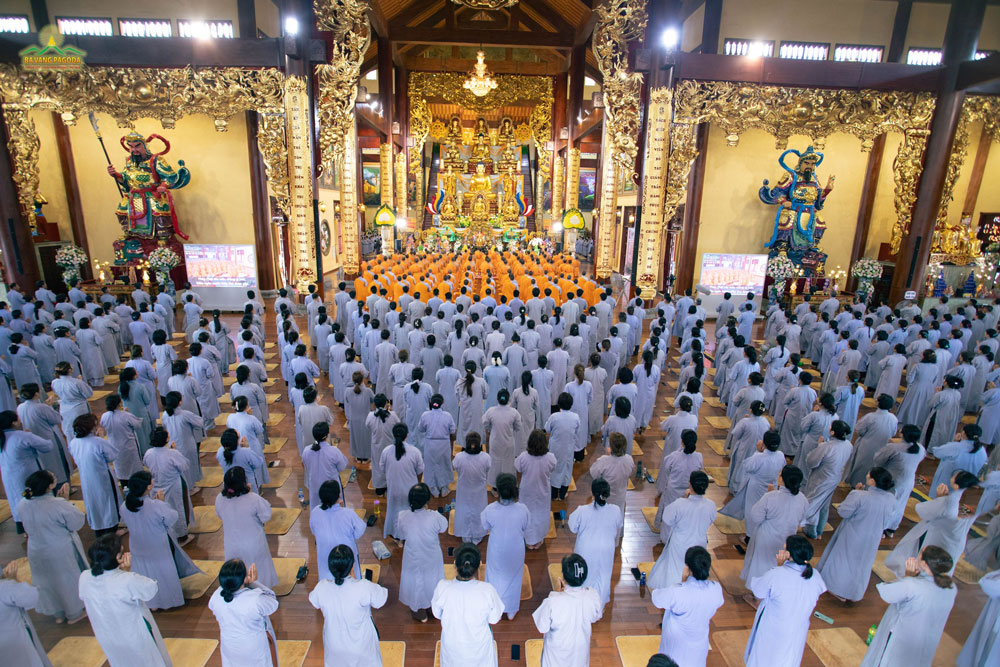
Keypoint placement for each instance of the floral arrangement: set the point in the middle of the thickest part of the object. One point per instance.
(866, 269)
(780, 269)
(70, 258)
(162, 261)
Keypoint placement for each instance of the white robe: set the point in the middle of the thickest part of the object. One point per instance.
(688, 609)
(467, 609)
(597, 528)
(349, 635)
(787, 600)
(245, 631)
(565, 618)
(124, 627)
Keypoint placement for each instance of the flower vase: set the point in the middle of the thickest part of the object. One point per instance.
(865, 287)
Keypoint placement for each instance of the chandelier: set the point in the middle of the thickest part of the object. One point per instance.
(480, 83)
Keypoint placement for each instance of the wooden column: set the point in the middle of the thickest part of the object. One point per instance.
(900, 26)
(711, 27)
(964, 23)
(76, 220)
(19, 259)
(868, 192)
(976, 177)
(263, 245)
(687, 250)
(577, 63)
(385, 95)
(246, 19)
(559, 110)
(40, 15)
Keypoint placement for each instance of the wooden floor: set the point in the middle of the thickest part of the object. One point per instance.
(630, 611)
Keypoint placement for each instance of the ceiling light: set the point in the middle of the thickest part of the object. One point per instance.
(291, 26)
(671, 37)
(480, 83)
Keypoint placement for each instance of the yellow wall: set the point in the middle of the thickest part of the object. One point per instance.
(884, 210)
(927, 24)
(50, 169)
(734, 220)
(849, 21)
(214, 208)
(22, 7)
(989, 194)
(691, 33)
(268, 19)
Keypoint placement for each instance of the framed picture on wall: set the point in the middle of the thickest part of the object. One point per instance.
(588, 183)
(371, 194)
(328, 179)
(324, 236)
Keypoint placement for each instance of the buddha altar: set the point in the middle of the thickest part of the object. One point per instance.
(510, 210)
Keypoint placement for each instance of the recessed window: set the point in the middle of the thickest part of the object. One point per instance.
(96, 27)
(10, 23)
(983, 54)
(918, 56)
(748, 47)
(205, 29)
(857, 53)
(144, 28)
(804, 51)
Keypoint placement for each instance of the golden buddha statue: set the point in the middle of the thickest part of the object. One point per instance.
(481, 151)
(481, 183)
(510, 210)
(448, 184)
(480, 208)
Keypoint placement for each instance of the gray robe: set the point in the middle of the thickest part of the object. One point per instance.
(504, 424)
(122, 429)
(357, 405)
(757, 471)
(939, 525)
(982, 648)
(470, 495)
(155, 552)
(902, 465)
(20, 456)
(168, 467)
(911, 627)
(400, 476)
(470, 408)
(18, 638)
(243, 519)
(55, 554)
(944, 413)
(847, 561)
(101, 496)
(73, 394)
(873, 432)
(826, 469)
(741, 444)
(769, 523)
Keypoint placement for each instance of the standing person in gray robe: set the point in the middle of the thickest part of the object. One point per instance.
(357, 404)
(944, 413)
(940, 524)
(93, 456)
(919, 605)
(615, 467)
(204, 373)
(471, 391)
(256, 398)
(536, 464)
(164, 356)
(437, 429)
(155, 552)
(502, 424)
(684, 525)
(55, 553)
(122, 429)
(423, 562)
(891, 372)
(402, 464)
(42, 420)
(18, 639)
(921, 381)
(168, 467)
(73, 394)
(380, 422)
(67, 351)
(91, 354)
(137, 399)
(826, 469)
(742, 442)
(308, 415)
(982, 648)
(757, 474)
(901, 460)
(185, 430)
(866, 512)
(675, 472)
(243, 515)
(873, 432)
(771, 520)
(472, 465)
(792, 410)
(116, 605)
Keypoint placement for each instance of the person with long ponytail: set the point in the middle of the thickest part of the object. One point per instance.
(847, 560)
(402, 464)
(346, 602)
(146, 376)
(945, 414)
(168, 467)
(66, 349)
(164, 356)
(497, 377)
(417, 399)
(919, 604)
(254, 394)
(597, 376)
(155, 551)
(647, 381)
(185, 430)
(93, 456)
(380, 422)
(122, 429)
(824, 468)
(472, 467)
(814, 427)
(243, 515)
(901, 460)
(357, 404)
(437, 429)
(467, 608)
(242, 606)
(786, 596)
(597, 526)
(233, 452)
(873, 432)
(770, 521)
(423, 563)
(333, 523)
(138, 400)
(447, 379)
(506, 521)
(204, 374)
(54, 551)
(41, 419)
(471, 391)
(967, 454)
(921, 384)
(322, 461)
(73, 395)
